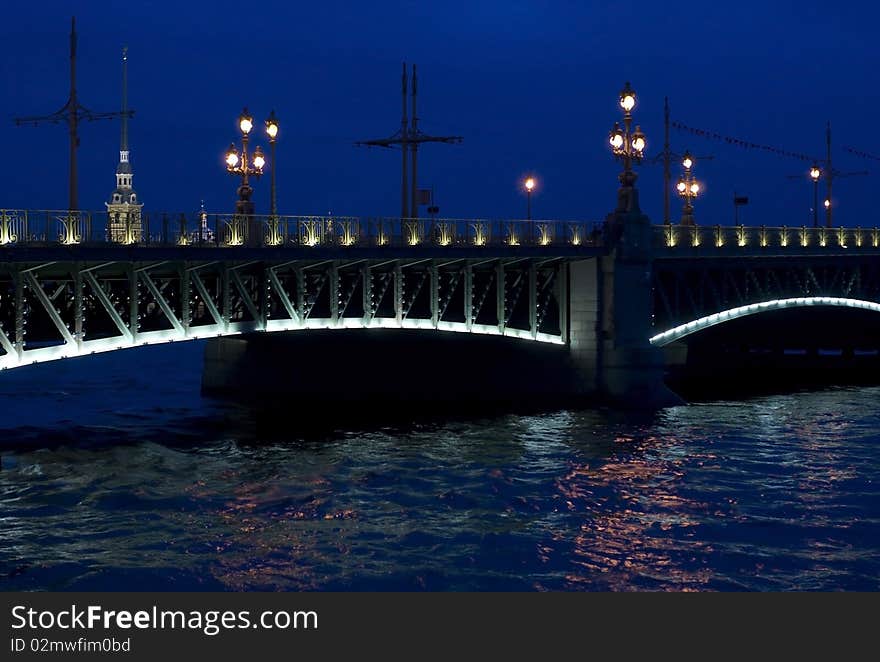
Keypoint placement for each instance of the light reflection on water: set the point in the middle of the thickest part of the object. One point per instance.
(778, 492)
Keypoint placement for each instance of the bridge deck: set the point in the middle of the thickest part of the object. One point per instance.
(108, 252)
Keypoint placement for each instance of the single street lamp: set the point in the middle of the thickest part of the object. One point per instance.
(629, 147)
(274, 238)
(530, 185)
(244, 166)
(815, 174)
(688, 188)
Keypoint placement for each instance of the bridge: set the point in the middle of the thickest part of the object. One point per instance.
(703, 277)
(609, 295)
(67, 290)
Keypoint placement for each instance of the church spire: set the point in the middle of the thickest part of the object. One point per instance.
(124, 173)
(124, 142)
(123, 208)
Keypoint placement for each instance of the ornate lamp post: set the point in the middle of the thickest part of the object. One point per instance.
(688, 188)
(244, 167)
(628, 146)
(529, 185)
(815, 174)
(274, 237)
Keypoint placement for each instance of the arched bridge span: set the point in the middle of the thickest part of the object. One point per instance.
(70, 307)
(695, 292)
(697, 325)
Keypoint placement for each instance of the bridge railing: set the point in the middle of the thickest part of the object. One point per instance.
(48, 227)
(741, 236)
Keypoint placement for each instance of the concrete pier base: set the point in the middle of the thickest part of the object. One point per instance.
(634, 378)
(609, 326)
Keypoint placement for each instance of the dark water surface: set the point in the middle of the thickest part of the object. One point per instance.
(122, 477)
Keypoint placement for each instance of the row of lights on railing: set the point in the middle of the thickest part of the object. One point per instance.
(313, 232)
(803, 236)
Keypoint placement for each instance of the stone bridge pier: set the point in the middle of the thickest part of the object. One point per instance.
(610, 303)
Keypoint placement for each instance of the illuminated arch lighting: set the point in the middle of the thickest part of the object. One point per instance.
(70, 350)
(679, 332)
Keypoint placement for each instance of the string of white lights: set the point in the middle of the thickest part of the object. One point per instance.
(682, 330)
(70, 350)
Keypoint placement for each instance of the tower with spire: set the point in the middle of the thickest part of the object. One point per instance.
(123, 208)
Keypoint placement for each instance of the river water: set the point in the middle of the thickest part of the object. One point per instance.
(118, 475)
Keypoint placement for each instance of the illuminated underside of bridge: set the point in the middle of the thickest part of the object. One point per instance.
(56, 310)
(694, 326)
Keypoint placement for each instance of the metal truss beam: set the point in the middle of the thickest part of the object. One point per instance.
(246, 299)
(106, 304)
(347, 295)
(334, 293)
(398, 293)
(206, 297)
(691, 289)
(450, 292)
(160, 300)
(367, 293)
(153, 290)
(533, 299)
(561, 278)
(78, 305)
(500, 295)
(49, 307)
(411, 299)
(6, 344)
(468, 295)
(434, 273)
(282, 294)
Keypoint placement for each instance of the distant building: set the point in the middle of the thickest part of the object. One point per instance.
(204, 234)
(123, 209)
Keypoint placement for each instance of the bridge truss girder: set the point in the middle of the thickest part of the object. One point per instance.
(56, 310)
(686, 290)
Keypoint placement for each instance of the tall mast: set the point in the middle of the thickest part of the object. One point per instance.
(123, 145)
(414, 145)
(72, 113)
(667, 155)
(72, 123)
(409, 137)
(403, 137)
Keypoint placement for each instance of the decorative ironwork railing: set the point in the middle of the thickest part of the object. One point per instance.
(44, 228)
(741, 236)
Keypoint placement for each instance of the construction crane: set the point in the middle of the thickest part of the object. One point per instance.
(72, 113)
(409, 137)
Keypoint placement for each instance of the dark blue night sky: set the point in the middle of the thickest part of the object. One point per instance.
(531, 86)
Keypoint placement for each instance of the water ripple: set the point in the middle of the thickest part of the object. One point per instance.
(776, 493)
